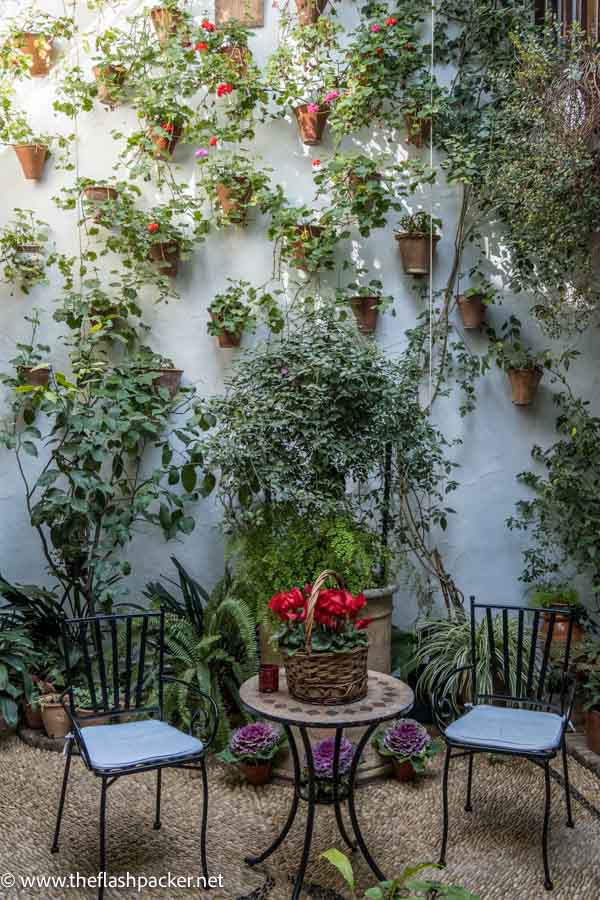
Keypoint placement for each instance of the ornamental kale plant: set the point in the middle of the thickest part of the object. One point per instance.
(254, 743)
(323, 753)
(407, 741)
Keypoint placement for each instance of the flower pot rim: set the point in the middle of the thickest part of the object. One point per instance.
(381, 592)
(36, 145)
(404, 235)
(520, 369)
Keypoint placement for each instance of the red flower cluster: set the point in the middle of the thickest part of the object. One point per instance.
(224, 88)
(153, 227)
(334, 606)
(201, 45)
(208, 26)
(391, 21)
(168, 127)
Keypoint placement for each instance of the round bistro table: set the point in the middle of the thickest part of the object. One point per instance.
(387, 698)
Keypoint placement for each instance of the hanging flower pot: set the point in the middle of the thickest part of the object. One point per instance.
(39, 48)
(165, 137)
(366, 311)
(415, 251)
(32, 158)
(169, 379)
(166, 22)
(239, 56)
(109, 79)
(403, 771)
(227, 339)
(258, 773)
(311, 122)
(233, 202)
(309, 10)
(524, 384)
(97, 194)
(472, 310)
(305, 233)
(167, 254)
(419, 129)
(36, 376)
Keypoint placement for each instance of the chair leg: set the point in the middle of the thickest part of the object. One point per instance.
(547, 880)
(158, 792)
(61, 802)
(102, 837)
(445, 807)
(570, 823)
(468, 807)
(204, 819)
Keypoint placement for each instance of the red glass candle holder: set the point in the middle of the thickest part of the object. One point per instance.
(268, 679)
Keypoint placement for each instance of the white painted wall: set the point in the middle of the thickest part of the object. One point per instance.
(478, 550)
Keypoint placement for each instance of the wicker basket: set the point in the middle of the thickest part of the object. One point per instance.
(325, 678)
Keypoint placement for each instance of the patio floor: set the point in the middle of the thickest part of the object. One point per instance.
(495, 851)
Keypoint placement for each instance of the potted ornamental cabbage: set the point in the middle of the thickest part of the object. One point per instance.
(323, 752)
(409, 746)
(253, 748)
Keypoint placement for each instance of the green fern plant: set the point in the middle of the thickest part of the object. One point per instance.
(210, 642)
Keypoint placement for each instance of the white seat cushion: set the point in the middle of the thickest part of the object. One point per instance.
(137, 743)
(519, 730)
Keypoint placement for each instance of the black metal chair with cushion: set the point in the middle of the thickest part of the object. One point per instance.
(528, 711)
(123, 660)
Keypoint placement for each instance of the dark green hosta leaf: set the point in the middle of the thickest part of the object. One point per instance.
(188, 477)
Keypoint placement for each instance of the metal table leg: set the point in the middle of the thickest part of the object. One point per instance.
(352, 808)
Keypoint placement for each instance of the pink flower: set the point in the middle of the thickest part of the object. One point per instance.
(313, 107)
(375, 28)
(201, 153)
(332, 95)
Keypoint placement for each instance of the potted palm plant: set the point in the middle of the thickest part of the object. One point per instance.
(253, 749)
(409, 746)
(417, 238)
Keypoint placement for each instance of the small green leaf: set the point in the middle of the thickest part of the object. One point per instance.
(342, 864)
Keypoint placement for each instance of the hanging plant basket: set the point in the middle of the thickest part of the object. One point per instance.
(309, 10)
(524, 384)
(233, 203)
(167, 254)
(164, 145)
(418, 130)
(97, 194)
(169, 379)
(240, 58)
(415, 251)
(109, 79)
(227, 339)
(325, 678)
(366, 312)
(472, 310)
(39, 48)
(311, 124)
(36, 376)
(298, 248)
(166, 23)
(32, 158)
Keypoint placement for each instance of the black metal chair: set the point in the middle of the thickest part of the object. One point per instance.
(528, 711)
(114, 652)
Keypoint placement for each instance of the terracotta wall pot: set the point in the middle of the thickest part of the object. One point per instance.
(524, 384)
(472, 311)
(33, 716)
(311, 124)
(227, 339)
(166, 253)
(415, 252)
(169, 379)
(56, 720)
(561, 627)
(109, 79)
(309, 10)
(419, 130)
(234, 206)
(98, 194)
(305, 232)
(592, 729)
(34, 376)
(403, 771)
(164, 146)
(239, 56)
(256, 774)
(366, 312)
(166, 22)
(32, 158)
(39, 48)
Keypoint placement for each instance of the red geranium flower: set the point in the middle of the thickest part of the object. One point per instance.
(391, 21)
(168, 126)
(208, 26)
(153, 227)
(201, 45)
(316, 162)
(224, 88)
(379, 50)
(213, 141)
(289, 605)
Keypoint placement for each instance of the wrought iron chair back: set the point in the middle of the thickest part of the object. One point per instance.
(118, 654)
(524, 661)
